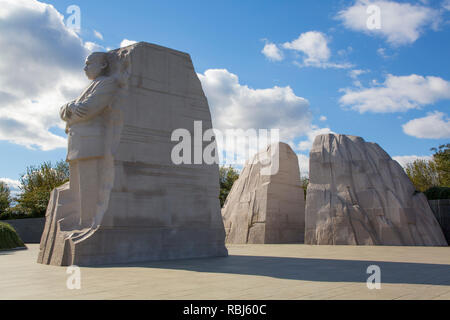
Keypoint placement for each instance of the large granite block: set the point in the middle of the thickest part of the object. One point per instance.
(358, 195)
(126, 200)
(266, 208)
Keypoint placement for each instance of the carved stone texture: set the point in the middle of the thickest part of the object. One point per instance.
(441, 210)
(126, 200)
(358, 195)
(263, 208)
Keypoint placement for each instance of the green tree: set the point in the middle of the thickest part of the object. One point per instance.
(441, 158)
(36, 185)
(431, 174)
(227, 177)
(304, 181)
(423, 174)
(5, 197)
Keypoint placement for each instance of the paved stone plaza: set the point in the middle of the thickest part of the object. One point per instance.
(250, 272)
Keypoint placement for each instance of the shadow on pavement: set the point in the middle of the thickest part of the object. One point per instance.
(308, 269)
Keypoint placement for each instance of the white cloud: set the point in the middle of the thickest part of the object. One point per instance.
(401, 23)
(397, 93)
(382, 53)
(311, 135)
(355, 73)
(237, 106)
(314, 46)
(303, 163)
(126, 43)
(404, 160)
(234, 105)
(98, 35)
(323, 118)
(93, 47)
(435, 125)
(272, 52)
(12, 184)
(41, 69)
(446, 5)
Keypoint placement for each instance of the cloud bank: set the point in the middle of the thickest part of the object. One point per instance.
(234, 105)
(435, 125)
(237, 106)
(41, 70)
(396, 94)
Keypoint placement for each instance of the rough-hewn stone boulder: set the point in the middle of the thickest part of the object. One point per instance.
(358, 195)
(263, 208)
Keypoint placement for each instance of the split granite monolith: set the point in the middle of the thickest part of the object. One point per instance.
(358, 195)
(266, 204)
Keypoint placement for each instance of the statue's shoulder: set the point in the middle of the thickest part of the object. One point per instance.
(105, 82)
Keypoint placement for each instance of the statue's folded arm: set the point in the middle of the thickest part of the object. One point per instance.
(94, 103)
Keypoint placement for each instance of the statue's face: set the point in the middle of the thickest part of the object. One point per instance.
(94, 67)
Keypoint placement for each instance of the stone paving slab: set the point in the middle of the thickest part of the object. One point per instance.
(251, 272)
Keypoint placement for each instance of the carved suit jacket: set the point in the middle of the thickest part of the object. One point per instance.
(85, 119)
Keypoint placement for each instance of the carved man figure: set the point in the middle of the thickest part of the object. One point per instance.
(85, 118)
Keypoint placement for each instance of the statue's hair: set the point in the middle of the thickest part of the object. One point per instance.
(102, 55)
(117, 65)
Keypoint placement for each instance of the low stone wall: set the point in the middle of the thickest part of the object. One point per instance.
(29, 230)
(441, 209)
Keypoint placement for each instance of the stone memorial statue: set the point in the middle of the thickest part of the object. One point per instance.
(126, 200)
(86, 135)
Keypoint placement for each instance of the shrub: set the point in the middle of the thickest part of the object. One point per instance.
(437, 193)
(5, 198)
(9, 239)
(304, 181)
(36, 186)
(227, 177)
(423, 174)
(426, 174)
(442, 159)
(17, 212)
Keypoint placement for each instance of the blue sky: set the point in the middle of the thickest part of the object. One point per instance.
(388, 85)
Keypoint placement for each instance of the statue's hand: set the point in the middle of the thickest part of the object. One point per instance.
(65, 112)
